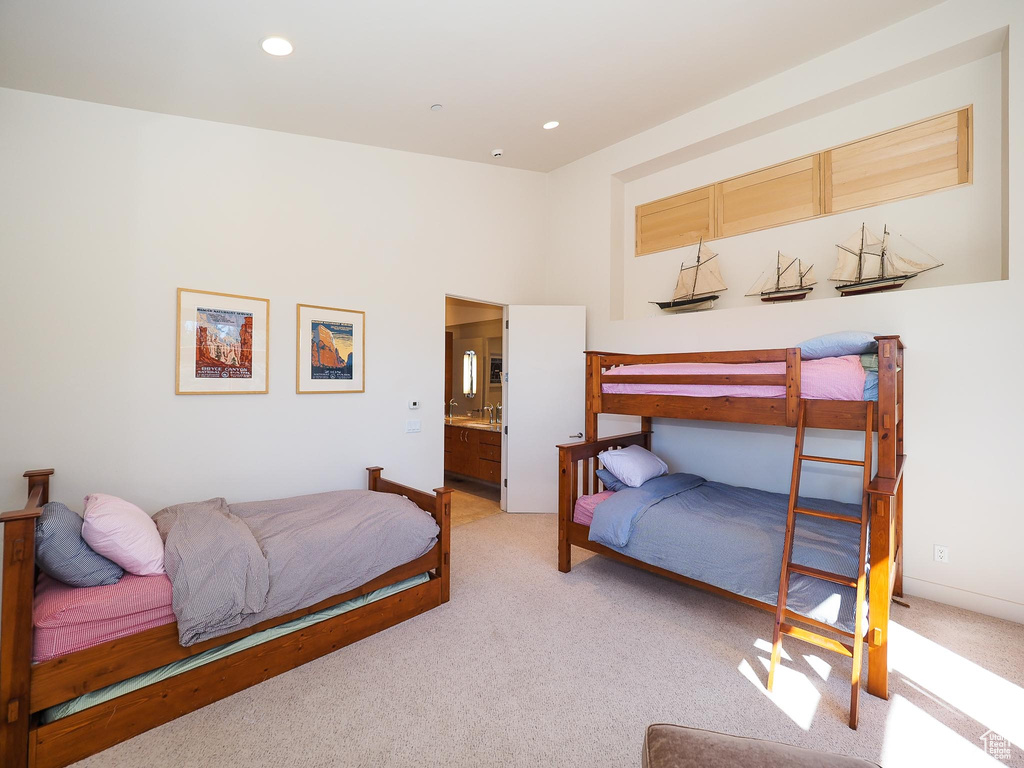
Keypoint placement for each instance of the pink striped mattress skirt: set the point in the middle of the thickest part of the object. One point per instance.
(584, 511)
(831, 378)
(69, 619)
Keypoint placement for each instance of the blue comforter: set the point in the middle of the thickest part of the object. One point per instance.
(732, 538)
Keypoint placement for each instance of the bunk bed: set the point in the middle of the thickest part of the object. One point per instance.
(66, 708)
(761, 387)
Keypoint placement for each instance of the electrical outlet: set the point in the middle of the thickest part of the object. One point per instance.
(412, 425)
(941, 553)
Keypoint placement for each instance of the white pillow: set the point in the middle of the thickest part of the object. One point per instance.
(122, 532)
(633, 465)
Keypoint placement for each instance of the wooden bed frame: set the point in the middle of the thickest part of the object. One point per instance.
(26, 688)
(578, 462)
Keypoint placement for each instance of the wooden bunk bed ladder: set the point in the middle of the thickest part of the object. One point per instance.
(853, 649)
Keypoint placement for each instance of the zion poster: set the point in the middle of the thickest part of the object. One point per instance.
(331, 349)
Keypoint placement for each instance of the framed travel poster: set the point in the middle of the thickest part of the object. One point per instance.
(222, 344)
(330, 350)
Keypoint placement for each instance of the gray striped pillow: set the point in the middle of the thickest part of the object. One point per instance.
(62, 553)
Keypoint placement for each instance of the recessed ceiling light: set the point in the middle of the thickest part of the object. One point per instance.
(550, 125)
(277, 46)
(436, 107)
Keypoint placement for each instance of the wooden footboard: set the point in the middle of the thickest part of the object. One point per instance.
(438, 504)
(27, 689)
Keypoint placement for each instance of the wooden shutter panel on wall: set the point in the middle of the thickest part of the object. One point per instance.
(769, 198)
(927, 156)
(673, 222)
(914, 160)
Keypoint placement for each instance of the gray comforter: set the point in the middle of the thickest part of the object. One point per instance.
(232, 566)
(732, 538)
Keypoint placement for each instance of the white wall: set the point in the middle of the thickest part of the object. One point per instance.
(963, 413)
(107, 211)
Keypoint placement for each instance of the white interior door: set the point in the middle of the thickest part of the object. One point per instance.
(543, 400)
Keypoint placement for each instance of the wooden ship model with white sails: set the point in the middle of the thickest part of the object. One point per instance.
(867, 263)
(697, 285)
(786, 283)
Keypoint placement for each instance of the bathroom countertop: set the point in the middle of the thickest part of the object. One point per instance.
(472, 423)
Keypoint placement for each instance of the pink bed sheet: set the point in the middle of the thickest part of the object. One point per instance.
(831, 378)
(69, 619)
(584, 511)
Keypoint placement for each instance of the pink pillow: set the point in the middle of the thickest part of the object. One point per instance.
(122, 532)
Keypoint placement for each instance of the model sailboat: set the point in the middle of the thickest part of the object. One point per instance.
(789, 281)
(867, 263)
(698, 284)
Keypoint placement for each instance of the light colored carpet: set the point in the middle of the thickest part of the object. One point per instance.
(530, 667)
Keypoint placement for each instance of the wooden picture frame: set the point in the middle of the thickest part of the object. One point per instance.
(222, 344)
(330, 350)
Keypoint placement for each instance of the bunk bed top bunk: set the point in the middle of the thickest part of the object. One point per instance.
(766, 386)
(760, 386)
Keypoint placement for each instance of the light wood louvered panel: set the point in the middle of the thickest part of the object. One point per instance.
(778, 195)
(927, 156)
(914, 160)
(675, 221)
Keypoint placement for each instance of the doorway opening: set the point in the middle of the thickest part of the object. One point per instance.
(474, 408)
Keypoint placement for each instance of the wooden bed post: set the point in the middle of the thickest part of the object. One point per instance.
(887, 405)
(886, 502)
(792, 385)
(898, 580)
(565, 475)
(593, 396)
(878, 597)
(443, 516)
(19, 579)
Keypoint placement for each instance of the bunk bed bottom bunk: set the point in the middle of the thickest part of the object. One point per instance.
(731, 538)
(578, 464)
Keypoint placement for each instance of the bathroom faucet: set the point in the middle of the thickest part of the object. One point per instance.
(499, 413)
(490, 413)
(451, 409)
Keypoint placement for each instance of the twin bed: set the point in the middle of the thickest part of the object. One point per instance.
(730, 540)
(83, 668)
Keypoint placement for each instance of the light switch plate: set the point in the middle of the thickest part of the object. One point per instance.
(412, 425)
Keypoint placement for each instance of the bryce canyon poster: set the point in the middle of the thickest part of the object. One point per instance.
(222, 344)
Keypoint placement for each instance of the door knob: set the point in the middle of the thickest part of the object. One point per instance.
(578, 435)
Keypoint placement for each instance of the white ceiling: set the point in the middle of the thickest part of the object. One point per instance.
(367, 71)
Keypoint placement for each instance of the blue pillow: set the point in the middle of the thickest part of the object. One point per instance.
(62, 553)
(611, 482)
(871, 386)
(838, 344)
